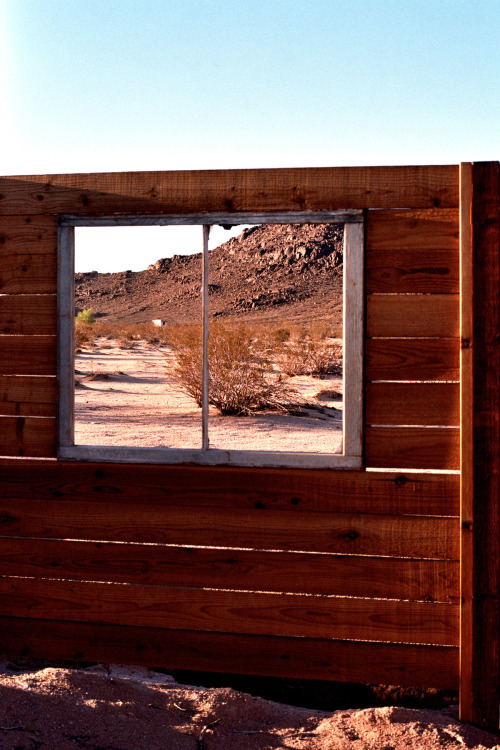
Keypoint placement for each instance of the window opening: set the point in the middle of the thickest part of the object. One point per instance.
(270, 376)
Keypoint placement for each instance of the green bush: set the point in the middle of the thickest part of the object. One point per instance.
(86, 316)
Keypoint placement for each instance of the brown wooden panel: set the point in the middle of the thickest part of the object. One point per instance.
(435, 229)
(413, 447)
(392, 578)
(232, 611)
(28, 355)
(28, 234)
(404, 271)
(24, 395)
(28, 274)
(232, 488)
(28, 436)
(28, 314)
(232, 190)
(351, 661)
(412, 404)
(28, 255)
(400, 315)
(480, 510)
(363, 534)
(412, 359)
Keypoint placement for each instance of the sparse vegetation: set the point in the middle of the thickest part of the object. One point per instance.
(86, 316)
(241, 375)
(310, 357)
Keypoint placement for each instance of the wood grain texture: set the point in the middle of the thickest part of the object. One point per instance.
(412, 359)
(413, 447)
(231, 488)
(26, 273)
(28, 254)
(28, 436)
(417, 315)
(466, 445)
(28, 355)
(412, 251)
(341, 575)
(28, 314)
(481, 483)
(344, 533)
(232, 611)
(31, 234)
(24, 395)
(351, 661)
(395, 230)
(404, 271)
(232, 190)
(412, 404)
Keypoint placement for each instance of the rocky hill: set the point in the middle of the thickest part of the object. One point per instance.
(269, 272)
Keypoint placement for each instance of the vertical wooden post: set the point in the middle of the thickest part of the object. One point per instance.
(480, 450)
(205, 334)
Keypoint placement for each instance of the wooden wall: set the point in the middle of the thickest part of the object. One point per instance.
(332, 575)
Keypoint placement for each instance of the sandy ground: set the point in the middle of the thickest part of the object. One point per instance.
(132, 397)
(124, 708)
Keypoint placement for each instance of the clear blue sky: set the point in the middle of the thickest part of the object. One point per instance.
(112, 85)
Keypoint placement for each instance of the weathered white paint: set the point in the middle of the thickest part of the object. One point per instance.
(204, 375)
(233, 219)
(350, 458)
(66, 335)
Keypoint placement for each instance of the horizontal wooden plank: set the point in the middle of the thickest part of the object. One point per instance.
(413, 447)
(232, 611)
(412, 359)
(412, 251)
(341, 575)
(28, 314)
(28, 436)
(400, 315)
(231, 488)
(25, 273)
(324, 188)
(28, 255)
(412, 404)
(435, 229)
(347, 661)
(344, 533)
(407, 271)
(32, 234)
(28, 355)
(25, 395)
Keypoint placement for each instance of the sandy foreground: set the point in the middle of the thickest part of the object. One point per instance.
(132, 397)
(126, 708)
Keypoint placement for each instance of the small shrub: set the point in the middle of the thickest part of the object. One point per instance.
(86, 316)
(241, 377)
(310, 357)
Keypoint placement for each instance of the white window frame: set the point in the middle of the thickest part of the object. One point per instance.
(353, 317)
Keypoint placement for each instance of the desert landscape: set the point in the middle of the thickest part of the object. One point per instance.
(275, 306)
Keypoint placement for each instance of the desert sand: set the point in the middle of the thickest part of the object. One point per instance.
(131, 397)
(125, 708)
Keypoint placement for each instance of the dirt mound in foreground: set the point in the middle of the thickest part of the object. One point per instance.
(117, 708)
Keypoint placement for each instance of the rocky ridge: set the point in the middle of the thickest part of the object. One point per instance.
(268, 272)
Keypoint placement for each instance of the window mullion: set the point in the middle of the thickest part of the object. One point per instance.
(204, 377)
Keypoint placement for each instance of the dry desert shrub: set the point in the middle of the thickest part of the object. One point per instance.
(241, 376)
(310, 357)
(84, 335)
